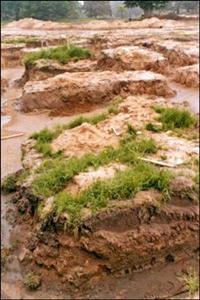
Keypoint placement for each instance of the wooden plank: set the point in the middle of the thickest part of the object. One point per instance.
(157, 162)
(11, 136)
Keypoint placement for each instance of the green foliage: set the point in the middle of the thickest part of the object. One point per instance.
(191, 282)
(32, 281)
(46, 136)
(153, 127)
(53, 175)
(63, 54)
(124, 185)
(44, 10)
(172, 118)
(97, 8)
(21, 40)
(9, 184)
(131, 130)
(147, 6)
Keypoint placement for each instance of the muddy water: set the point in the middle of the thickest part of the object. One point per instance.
(186, 94)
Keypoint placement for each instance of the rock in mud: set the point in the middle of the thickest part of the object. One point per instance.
(132, 58)
(68, 90)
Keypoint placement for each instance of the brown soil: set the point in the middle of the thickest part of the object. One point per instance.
(62, 91)
(97, 261)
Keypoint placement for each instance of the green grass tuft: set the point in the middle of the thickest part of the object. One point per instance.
(32, 281)
(53, 175)
(191, 282)
(153, 127)
(25, 40)
(9, 184)
(63, 54)
(172, 118)
(124, 185)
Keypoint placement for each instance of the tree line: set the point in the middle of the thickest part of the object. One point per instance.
(55, 10)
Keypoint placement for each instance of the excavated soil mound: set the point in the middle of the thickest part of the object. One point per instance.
(177, 53)
(30, 23)
(132, 58)
(11, 55)
(70, 90)
(83, 139)
(43, 69)
(188, 76)
(129, 236)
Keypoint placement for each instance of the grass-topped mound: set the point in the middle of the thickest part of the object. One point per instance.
(124, 185)
(62, 54)
(46, 136)
(54, 174)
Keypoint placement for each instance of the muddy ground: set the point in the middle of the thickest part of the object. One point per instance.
(87, 87)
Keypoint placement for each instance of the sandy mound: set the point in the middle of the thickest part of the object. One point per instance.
(83, 139)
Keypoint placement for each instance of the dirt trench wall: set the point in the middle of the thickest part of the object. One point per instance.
(62, 91)
(11, 56)
(175, 55)
(188, 76)
(129, 237)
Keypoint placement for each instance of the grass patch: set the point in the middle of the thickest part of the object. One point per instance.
(191, 282)
(32, 281)
(54, 174)
(172, 118)
(46, 136)
(124, 185)
(9, 184)
(63, 54)
(153, 127)
(27, 40)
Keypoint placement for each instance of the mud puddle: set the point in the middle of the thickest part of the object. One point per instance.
(190, 95)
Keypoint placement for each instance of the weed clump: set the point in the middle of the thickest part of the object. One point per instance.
(32, 281)
(191, 282)
(172, 118)
(9, 184)
(53, 175)
(153, 127)
(62, 54)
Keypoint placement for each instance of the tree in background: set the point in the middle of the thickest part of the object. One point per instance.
(147, 6)
(43, 10)
(97, 8)
(121, 9)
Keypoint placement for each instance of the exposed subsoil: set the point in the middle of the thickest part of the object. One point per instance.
(98, 261)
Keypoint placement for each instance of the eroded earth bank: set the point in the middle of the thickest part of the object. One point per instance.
(100, 160)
